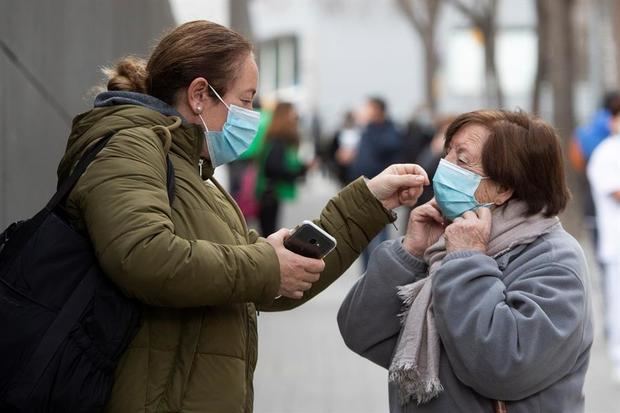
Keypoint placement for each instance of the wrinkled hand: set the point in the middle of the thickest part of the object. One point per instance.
(424, 228)
(399, 184)
(471, 232)
(297, 273)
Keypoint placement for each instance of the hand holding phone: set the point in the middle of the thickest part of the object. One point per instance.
(310, 240)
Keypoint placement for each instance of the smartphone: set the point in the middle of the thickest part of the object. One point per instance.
(310, 240)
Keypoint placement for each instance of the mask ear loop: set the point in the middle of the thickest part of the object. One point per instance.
(219, 97)
(203, 122)
(206, 138)
(488, 204)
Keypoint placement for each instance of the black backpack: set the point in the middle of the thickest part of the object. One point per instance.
(64, 324)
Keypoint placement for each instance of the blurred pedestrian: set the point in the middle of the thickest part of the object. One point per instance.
(380, 145)
(344, 147)
(279, 165)
(485, 303)
(429, 156)
(418, 133)
(590, 135)
(604, 178)
(246, 170)
(193, 266)
(587, 137)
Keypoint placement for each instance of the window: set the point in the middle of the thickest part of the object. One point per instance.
(279, 63)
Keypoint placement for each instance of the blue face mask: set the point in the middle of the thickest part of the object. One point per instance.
(454, 189)
(236, 135)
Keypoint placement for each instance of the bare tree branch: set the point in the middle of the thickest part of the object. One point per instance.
(407, 8)
(422, 14)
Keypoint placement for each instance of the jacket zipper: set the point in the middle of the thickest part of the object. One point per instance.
(200, 162)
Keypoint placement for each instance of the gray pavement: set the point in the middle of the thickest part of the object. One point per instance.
(304, 366)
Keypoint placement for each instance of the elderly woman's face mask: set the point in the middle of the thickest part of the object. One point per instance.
(455, 189)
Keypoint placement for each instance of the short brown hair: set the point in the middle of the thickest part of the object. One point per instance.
(522, 153)
(195, 49)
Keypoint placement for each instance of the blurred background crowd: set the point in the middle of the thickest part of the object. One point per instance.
(346, 88)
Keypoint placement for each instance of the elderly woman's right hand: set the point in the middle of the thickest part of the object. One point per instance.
(425, 226)
(297, 273)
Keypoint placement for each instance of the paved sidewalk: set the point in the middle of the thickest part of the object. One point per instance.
(304, 367)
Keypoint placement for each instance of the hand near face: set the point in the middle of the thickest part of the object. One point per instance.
(424, 228)
(471, 232)
(399, 184)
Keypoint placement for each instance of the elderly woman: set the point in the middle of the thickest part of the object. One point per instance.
(484, 305)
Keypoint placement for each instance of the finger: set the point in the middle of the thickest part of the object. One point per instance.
(313, 265)
(435, 214)
(409, 197)
(297, 295)
(304, 286)
(428, 211)
(281, 234)
(406, 181)
(433, 203)
(312, 277)
(411, 169)
(469, 215)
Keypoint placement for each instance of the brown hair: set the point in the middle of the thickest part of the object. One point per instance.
(282, 125)
(195, 49)
(522, 153)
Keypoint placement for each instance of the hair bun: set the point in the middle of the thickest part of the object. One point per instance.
(129, 75)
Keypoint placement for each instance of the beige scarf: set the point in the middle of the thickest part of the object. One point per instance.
(415, 365)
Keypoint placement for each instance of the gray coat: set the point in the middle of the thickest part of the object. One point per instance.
(517, 328)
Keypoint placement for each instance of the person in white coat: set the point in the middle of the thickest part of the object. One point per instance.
(604, 176)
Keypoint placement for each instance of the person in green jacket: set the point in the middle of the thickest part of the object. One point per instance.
(195, 267)
(279, 166)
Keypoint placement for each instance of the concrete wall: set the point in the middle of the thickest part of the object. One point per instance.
(63, 44)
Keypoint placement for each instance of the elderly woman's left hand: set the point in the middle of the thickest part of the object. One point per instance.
(471, 232)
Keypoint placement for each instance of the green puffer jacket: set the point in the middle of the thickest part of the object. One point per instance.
(198, 270)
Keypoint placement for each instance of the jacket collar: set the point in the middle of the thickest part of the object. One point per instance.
(188, 143)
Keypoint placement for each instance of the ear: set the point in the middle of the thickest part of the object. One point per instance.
(198, 94)
(502, 195)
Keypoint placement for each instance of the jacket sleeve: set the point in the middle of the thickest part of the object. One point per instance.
(369, 316)
(354, 216)
(123, 201)
(508, 343)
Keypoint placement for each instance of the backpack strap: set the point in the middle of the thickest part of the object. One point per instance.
(65, 187)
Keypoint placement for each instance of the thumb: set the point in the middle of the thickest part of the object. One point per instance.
(280, 235)
(405, 181)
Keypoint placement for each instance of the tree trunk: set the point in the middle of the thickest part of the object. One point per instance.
(561, 72)
(495, 97)
(615, 22)
(542, 55)
(430, 67)
(422, 16)
(240, 17)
